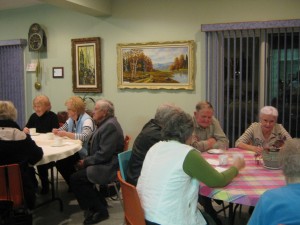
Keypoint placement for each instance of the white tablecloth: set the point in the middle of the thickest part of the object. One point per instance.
(69, 147)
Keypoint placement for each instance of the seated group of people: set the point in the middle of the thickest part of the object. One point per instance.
(96, 163)
(166, 163)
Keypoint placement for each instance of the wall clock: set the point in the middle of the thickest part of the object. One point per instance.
(37, 40)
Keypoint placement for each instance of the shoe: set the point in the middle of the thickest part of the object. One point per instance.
(87, 213)
(96, 217)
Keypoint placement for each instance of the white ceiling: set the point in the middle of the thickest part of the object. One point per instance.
(13, 4)
(90, 7)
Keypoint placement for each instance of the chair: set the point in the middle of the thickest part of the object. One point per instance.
(123, 158)
(11, 185)
(126, 142)
(134, 213)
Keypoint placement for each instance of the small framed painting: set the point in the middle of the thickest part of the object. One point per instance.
(58, 72)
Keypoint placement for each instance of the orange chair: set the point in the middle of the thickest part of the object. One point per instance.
(134, 213)
(11, 185)
(126, 142)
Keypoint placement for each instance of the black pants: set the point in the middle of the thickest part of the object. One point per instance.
(43, 175)
(86, 194)
(66, 166)
(209, 209)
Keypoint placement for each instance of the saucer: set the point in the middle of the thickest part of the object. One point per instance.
(215, 151)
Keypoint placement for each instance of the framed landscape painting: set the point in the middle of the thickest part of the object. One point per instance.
(86, 65)
(156, 65)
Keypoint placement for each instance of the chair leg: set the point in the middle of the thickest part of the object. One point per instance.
(118, 194)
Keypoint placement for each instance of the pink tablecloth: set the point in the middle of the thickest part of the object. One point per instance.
(249, 185)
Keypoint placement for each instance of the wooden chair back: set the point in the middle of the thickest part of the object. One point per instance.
(134, 213)
(11, 187)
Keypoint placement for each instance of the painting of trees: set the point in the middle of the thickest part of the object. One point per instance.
(151, 64)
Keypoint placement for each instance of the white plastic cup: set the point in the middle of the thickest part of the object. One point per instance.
(32, 130)
(58, 141)
(238, 155)
(50, 136)
(223, 160)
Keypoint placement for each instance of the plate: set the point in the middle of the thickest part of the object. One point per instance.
(271, 168)
(35, 134)
(215, 151)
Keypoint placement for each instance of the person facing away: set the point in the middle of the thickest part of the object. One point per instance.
(208, 133)
(79, 126)
(168, 186)
(44, 120)
(265, 134)
(149, 135)
(101, 165)
(18, 147)
(281, 205)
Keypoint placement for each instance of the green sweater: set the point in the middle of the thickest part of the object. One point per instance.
(197, 167)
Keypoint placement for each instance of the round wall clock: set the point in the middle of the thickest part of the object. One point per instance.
(36, 38)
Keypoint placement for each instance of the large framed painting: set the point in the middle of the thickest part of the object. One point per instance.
(86, 65)
(156, 65)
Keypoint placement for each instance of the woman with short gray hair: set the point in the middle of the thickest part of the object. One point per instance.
(265, 134)
(281, 205)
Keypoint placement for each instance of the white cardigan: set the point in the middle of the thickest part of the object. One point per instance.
(168, 195)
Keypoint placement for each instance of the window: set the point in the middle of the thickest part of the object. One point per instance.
(249, 65)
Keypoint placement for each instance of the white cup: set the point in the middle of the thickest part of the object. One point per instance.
(50, 136)
(223, 160)
(58, 141)
(32, 130)
(237, 155)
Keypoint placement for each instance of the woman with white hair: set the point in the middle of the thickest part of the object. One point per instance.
(281, 205)
(266, 133)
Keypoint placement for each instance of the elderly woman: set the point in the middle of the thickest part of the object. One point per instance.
(265, 134)
(44, 121)
(169, 182)
(79, 126)
(18, 147)
(281, 205)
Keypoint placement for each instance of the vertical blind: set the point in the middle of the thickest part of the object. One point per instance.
(249, 65)
(12, 75)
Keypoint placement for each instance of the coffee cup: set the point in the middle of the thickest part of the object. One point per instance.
(237, 155)
(32, 130)
(58, 141)
(50, 136)
(223, 160)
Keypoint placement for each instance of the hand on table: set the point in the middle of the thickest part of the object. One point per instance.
(26, 130)
(211, 142)
(257, 149)
(239, 163)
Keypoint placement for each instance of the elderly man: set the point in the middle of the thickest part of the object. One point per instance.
(281, 205)
(101, 165)
(208, 133)
(150, 134)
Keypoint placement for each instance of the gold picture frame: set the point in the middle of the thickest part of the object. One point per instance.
(86, 65)
(156, 65)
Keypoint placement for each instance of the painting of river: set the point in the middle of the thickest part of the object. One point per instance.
(156, 65)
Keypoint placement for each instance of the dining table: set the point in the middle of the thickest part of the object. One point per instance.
(52, 153)
(247, 187)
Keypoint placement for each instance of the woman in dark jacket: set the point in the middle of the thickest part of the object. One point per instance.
(18, 147)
